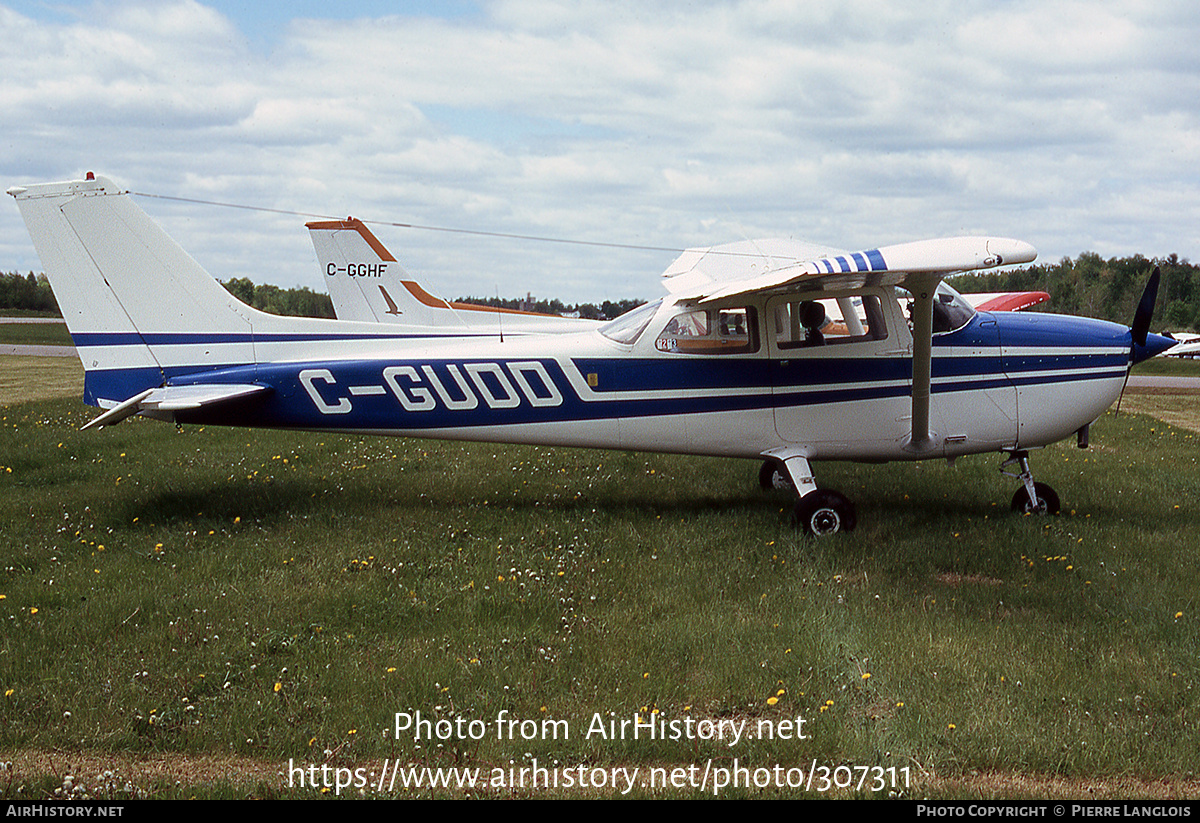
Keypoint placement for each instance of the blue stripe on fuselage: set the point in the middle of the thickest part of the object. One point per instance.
(358, 394)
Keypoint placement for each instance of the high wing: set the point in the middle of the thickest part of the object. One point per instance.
(708, 275)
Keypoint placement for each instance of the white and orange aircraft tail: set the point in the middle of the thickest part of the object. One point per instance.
(366, 283)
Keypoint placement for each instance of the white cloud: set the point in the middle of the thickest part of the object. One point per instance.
(1072, 125)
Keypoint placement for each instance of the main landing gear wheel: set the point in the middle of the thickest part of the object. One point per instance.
(774, 475)
(824, 512)
(1047, 500)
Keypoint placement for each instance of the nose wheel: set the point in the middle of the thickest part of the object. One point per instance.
(1032, 497)
(1043, 501)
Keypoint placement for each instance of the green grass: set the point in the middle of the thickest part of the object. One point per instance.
(1173, 366)
(276, 595)
(39, 378)
(35, 334)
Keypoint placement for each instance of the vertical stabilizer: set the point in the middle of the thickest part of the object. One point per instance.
(133, 300)
(366, 283)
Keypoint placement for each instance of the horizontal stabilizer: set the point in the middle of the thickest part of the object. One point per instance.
(174, 398)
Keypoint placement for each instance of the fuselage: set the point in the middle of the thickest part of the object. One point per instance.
(1000, 381)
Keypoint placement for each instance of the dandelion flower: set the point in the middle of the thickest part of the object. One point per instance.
(771, 701)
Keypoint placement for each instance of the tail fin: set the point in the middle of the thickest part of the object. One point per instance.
(366, 283)
(135, 303)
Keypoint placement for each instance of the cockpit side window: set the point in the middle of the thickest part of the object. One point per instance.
(710, 331)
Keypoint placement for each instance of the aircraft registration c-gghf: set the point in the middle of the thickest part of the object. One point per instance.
(775, 350)
(366, 283)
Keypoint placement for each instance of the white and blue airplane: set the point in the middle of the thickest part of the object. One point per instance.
(739, 359)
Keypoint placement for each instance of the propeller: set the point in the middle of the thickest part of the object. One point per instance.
(1145, 309)
(1140, 327)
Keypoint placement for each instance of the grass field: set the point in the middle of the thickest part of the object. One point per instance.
(229, 600)
(1169, 366)
(39, 378)
(35, 334)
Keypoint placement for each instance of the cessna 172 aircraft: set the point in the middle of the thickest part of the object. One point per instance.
(738, 360)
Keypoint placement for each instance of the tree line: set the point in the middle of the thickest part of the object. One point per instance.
(588, 311)
(31, 292)
(1087, 285)
(27, 292)
(1110, 289)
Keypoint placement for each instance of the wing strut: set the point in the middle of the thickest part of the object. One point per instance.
(923, 290)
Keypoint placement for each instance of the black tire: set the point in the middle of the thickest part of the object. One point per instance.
(774, 475)
(1047, 500)
(825, 512)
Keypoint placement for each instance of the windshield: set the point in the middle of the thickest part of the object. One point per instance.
(626, 328)
(951, 311)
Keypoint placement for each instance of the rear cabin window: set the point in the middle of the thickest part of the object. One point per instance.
(710, 331)
(807, 323)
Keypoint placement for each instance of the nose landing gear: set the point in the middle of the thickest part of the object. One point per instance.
(1032, 497)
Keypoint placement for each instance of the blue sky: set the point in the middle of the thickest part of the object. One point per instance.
(1072, 125)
